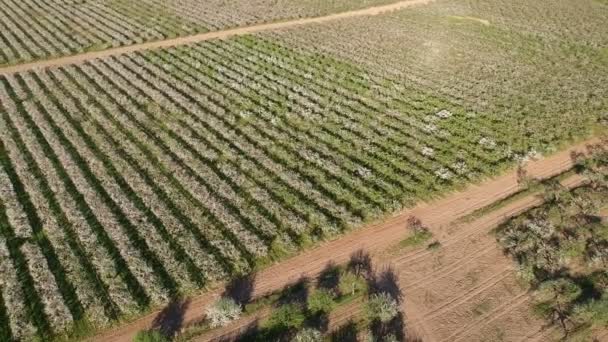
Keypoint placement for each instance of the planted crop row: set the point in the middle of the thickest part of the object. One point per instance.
(135, 179)
(46, 29)
(533, 86)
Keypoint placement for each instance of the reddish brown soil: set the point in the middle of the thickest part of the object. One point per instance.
(464, 290)
(467, 290)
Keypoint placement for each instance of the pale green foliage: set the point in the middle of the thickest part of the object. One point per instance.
(350, 284)
(382, 306)
(286, 317)
(308, 335)
(321, 301)
(595, 312)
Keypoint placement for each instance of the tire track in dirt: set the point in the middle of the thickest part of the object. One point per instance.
(222, 34)
(489, 318)
(378, 237)
(473, 248)
(441, 272)
(540, 335)
(480, 225)
(487, 284)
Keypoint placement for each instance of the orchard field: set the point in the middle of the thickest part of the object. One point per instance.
(33, 29)
(561, 251)
(134, 179)
(537, 70)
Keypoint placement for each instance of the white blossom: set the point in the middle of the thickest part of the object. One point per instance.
(444, 114)
(444, 174)
(460, 167)
(427, 151)
(222, 312)
(363, 172)
(487, 143)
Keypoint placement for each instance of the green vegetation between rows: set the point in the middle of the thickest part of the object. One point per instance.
(131, 181)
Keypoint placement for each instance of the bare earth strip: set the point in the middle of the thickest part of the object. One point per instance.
(80, 58)
(378, 237)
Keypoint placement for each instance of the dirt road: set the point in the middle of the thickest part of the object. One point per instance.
(467, 290)
(79, 58)
(458, 292)
(374, 239)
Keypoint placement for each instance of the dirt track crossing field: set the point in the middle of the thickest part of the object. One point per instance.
(80, 58)
(497, 280)
(152, 151)
(467, 290)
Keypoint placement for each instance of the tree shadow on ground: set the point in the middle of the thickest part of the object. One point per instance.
(386, 281)
(329, 278)
(577, 159)
(240, 289)
(395, 327)
(345, 333)
(296, 293)
(360, 263)
(170, 320)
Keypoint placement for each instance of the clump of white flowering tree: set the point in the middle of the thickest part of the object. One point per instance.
(382, 307)
(224, 311)
(308, 335)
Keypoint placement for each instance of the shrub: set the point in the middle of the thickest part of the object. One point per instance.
(150, 336)
(416, 239)
(382, 307)
(434, 245)
(594, 313)
(321, 301)
(350, 284)
(224, 311)
(414, 224)
(308, 335)
(286, 317)
(555, 299)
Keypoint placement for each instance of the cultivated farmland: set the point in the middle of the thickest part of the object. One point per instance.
(31, 30)
(131, 180)
(131, 189)
(127, 190)
(537, 79)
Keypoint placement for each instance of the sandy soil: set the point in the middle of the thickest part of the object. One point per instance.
(378, 237)
(467, 290)
(80, 58)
